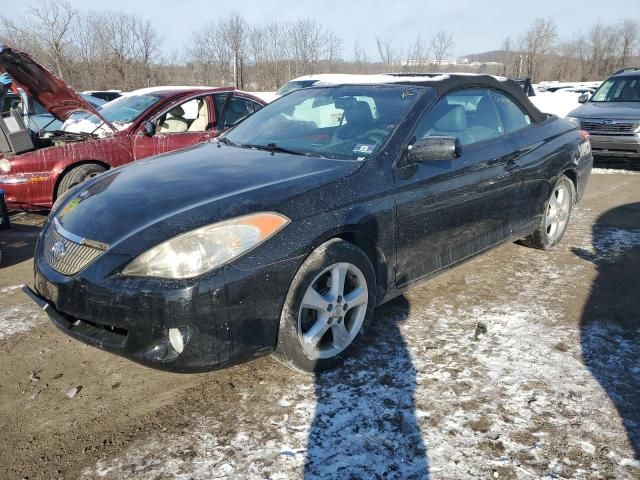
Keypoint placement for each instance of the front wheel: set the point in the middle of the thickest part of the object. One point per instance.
(328, 306)
(556, 216)
(77, 175)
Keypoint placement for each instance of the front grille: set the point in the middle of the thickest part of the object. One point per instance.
(610, 126)
(66, 256)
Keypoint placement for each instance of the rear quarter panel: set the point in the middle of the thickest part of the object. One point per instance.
(548, 150)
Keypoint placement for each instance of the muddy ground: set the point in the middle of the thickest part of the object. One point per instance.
(518, 364)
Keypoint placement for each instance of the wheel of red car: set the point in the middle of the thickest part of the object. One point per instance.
(77, 175)
(329, 305)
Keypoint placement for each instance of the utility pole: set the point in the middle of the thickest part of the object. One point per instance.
(235, 69)
(520, 68)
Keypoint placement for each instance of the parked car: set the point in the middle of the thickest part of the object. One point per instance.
(137, 125)
(307, 81)
(34, 115)
(578, 90)
(283, 236)
(612, 116)
(106, 95)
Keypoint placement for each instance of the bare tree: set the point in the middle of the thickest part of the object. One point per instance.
(360, 59)
(387, 54)
(536, 43)
(306, 45)
(441, 44)
(53, 24)
(418, 55)
(234, 32)
(147, 47)
(630, 39)
(333, 48)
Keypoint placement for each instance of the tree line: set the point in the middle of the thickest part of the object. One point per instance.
(112, 49)
(541, 53)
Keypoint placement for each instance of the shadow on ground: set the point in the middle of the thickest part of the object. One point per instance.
(19, 241)
(610, 328)
(365, 423)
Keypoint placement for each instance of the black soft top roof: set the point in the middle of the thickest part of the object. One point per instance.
(444, 83)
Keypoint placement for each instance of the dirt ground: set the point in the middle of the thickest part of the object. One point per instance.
(518, 364)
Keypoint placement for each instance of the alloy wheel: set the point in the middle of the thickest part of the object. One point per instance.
(558, 212)
(332, 311)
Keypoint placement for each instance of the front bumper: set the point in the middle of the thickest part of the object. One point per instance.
(226, 318)
(30, 191)
(620, 146)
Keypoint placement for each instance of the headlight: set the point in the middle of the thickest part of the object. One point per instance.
(5, 165)
(201, 250)
(574, 120)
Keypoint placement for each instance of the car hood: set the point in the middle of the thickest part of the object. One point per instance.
(56, 97)
(609, 110)
(183, 190)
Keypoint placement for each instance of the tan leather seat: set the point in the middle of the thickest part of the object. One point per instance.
(174, 121)
(201, 123)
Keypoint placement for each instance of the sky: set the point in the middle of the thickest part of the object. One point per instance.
(477, 26)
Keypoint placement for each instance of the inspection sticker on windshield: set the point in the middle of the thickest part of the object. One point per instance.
(363, 148)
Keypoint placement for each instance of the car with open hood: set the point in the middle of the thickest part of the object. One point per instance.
(285, 234)
(34, 115)
(36, 168)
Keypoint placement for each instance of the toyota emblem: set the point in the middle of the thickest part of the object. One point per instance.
(58, 250)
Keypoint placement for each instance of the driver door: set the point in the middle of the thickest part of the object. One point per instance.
(448, 210)
(178, 126)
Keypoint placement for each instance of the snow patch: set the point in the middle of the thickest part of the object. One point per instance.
(613, 171)
(18, 319)
(426, 394)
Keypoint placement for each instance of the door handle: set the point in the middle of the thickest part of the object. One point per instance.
(512, 165)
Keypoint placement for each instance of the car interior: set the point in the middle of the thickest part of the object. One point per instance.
(237, 110)
(191, 116)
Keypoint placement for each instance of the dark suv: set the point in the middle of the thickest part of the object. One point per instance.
(612, 116)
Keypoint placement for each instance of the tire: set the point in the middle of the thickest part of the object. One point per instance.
(556, 216)
(78, 175)
(338, 326)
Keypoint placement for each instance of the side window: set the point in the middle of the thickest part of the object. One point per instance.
(468, 115)
(218, 102)
(256, 106)
(190, 116)
(513, 117)
(238, 109)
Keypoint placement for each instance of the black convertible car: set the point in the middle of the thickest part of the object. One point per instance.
(284, 235)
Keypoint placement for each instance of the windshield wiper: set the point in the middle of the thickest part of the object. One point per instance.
(225, 140)
(272, 148)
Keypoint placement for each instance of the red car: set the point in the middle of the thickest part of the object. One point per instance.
(37, 167)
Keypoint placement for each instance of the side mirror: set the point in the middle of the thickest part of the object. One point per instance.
(583, 98)
(148, 129)
(431, 149)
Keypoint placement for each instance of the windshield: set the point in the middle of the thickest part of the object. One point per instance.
(294, 85)
(350, 122)
(620, 89)
(127, 109)
(121, 113)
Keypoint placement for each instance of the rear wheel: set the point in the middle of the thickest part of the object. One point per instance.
(77, 175)
(556, 217)
(328, 306)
